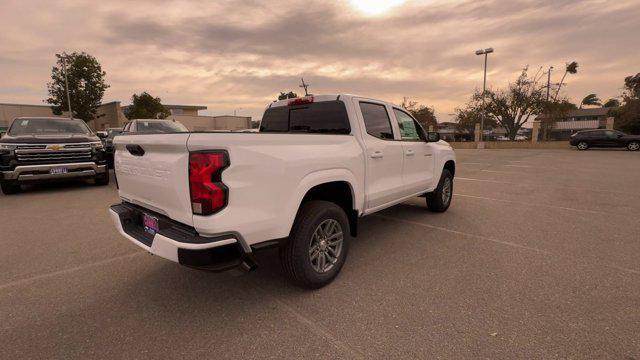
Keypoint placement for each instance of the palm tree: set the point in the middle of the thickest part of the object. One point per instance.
(591, 100)
(612, 103)
(571, 68)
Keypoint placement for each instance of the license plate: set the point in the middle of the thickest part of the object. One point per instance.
(150, 224)
(60, 170)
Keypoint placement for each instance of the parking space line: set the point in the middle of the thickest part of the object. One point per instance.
(313, 326)
(557, 186)
(533, 204)
(595, 262)
(479, 237)
(524, 166)
(69, 270)
(500, 172)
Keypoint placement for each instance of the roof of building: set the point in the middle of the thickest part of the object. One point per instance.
(186, 107)
(40, 105)
(602, 111)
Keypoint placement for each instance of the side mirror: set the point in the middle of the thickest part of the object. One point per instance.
(101, 134)
(433, 137)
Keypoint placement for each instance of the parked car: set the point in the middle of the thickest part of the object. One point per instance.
(209, 199)
(107, 142)
(153, 126)
(46, 149)
(586, 139)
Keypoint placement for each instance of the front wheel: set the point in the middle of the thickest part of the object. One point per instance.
(102, 179)
(9, 188)
(582, 145)
(317, 246)
(633, 146)
(440, 199)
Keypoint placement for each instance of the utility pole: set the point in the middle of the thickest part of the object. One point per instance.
(549, 81)
(484, 52)
(305, 86)
(66, 84)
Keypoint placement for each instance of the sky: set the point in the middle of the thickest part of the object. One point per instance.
(238, 55)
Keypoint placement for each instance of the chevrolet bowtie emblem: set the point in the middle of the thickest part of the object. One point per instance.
(55, 147)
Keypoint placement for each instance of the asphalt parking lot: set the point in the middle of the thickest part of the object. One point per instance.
(538, 257)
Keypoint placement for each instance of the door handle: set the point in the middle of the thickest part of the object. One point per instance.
(377, 155)
(409, 153)
(135, 150)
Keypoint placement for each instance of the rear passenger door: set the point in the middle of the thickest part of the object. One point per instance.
(383, 155)
(418, 163)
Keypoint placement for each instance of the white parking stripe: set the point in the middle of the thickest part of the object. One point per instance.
(479, 237)
(532, 204)
(69, 270)
(595, 261)
(556, 186)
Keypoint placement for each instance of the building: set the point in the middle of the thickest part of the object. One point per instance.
(111, 115)
(574, 120)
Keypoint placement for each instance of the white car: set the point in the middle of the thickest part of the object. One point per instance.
(209, 200)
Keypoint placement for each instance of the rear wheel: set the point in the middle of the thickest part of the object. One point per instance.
(9, 188)
(102, 179)
(440, 199)
(317, 246)
(633, 146)
(582, 145)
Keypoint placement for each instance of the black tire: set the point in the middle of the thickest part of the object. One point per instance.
(582, 145)
(102, 179)
(295, 254)
(9, 188)
(436, 202)
(633, 146)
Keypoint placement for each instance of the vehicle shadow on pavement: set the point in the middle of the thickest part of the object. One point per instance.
(57, 186)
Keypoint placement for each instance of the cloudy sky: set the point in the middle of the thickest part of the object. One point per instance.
(239, 54)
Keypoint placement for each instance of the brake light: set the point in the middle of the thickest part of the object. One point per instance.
(208, 193)
(301, 101)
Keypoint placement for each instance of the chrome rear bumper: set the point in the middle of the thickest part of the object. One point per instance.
(43, 172)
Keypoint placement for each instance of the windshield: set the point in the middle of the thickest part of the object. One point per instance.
(162, 126)
(48, 127)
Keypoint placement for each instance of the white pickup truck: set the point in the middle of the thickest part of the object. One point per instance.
(210, 199)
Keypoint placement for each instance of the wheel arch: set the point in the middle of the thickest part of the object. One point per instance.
(338, 186)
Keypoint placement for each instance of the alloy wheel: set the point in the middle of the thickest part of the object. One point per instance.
(325, 247)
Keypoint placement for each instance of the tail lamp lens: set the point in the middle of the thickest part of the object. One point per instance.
(208, 193)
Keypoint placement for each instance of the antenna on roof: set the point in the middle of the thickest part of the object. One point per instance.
(305, 86)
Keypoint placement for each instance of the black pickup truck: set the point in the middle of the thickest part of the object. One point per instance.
(46, 149)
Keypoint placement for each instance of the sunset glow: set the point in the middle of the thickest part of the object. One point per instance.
(375, 7)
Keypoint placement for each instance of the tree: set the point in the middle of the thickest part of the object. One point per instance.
(86, 85)
(628, 115)
(471, 114)
(512, 107)
(289, 95)
(591, 100)
(632, 87)
(145, 106)
(571, 68)
(612, 103)
(554, 111)
(422, 113)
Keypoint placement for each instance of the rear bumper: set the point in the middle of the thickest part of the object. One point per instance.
(180, 243)
(42, 171)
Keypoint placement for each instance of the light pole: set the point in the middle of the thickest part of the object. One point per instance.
(484, 52)
(235, 111)
(66, 84)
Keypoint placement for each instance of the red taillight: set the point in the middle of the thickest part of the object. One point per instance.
(208, 193)
(301, 101)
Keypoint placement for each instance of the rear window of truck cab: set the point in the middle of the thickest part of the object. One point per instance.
(326, 117)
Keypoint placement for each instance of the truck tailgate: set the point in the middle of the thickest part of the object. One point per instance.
(153, 171)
